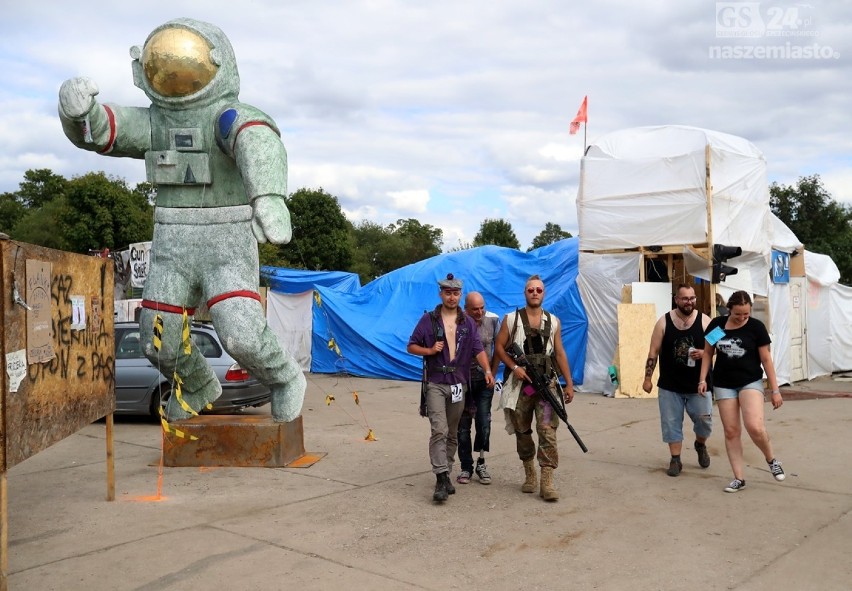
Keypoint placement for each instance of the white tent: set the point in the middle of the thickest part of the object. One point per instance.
(648, 187)
(829, 308)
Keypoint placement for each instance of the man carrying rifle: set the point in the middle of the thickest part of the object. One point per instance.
(449, 340)
(538, 333)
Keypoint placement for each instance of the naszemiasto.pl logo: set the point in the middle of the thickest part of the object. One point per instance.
(788, 30)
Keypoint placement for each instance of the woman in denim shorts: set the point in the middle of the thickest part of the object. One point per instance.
(741, 345)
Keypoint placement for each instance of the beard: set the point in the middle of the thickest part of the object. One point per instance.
(685, 310)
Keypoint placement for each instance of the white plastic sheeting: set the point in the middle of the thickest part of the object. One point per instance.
(600, 281)
(841, 327)
(290, 318)
(829, 317)
(646, 186)
(779, 329)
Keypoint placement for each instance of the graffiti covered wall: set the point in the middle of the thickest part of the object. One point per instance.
(58, 346)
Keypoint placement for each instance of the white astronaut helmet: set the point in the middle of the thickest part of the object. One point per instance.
(186, 63)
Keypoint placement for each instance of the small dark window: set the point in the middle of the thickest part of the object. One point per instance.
(129, 346)
(183, 140)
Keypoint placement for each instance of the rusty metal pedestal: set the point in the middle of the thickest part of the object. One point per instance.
(237, 441)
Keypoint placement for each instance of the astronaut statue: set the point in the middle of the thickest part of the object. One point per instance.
(221, 175)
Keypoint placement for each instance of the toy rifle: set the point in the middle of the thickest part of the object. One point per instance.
(542, 386)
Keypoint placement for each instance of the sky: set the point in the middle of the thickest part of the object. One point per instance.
(455, 112)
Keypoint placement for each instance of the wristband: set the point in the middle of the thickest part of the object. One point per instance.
(776, 391)
(513, 369)
(702, 382)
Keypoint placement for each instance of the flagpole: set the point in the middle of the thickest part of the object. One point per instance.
(585, 131)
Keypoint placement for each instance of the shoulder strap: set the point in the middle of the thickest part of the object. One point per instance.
(436, 331)
(515, 325)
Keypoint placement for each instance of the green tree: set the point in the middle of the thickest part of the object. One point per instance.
(102, 212)
(320, 232)
(270, 254)
(419, 241)
(38, 188)
(39, 225)
(11, 211)
(551, 233)
(497, 232)
(461, 246)
(146, 191)
(41, 186)
(370, 242)
(822, 224)
(377, 250)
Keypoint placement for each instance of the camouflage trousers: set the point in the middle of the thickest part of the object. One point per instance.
(546, 422)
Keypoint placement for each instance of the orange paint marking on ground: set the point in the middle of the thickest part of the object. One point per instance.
(147, 499)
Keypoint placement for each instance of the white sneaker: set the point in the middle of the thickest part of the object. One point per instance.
(777, 470)
(736, 485)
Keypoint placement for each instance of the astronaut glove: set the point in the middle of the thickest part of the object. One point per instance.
(270, 220)
(77, 97)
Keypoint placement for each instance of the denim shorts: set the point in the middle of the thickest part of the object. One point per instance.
(729, 393)
(672, 406)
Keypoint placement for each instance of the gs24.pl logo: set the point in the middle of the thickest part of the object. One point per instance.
(764, 19)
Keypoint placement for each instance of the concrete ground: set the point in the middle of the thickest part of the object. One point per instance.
(362, 517)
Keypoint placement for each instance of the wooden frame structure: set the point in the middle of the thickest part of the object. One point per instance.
(50, 392)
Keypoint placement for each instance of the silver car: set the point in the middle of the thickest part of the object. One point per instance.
(140, 388)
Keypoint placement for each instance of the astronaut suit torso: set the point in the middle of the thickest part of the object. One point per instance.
(211, 158)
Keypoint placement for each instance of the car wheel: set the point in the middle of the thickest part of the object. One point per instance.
(160, 398)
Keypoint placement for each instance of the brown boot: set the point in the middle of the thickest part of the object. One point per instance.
(531, 481)
(548, 491)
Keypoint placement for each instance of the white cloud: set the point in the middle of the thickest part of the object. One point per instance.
(839, 184)
(450, 119)
(410, 202)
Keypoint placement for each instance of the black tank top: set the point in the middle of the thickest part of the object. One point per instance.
(675, 374)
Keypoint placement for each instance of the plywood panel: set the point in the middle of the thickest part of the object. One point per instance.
(57, 398)
(635, 324)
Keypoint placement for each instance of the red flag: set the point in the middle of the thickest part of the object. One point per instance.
(580, 118)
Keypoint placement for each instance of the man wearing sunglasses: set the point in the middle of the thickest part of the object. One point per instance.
(449, 340)
(538, 333)
(678, 341)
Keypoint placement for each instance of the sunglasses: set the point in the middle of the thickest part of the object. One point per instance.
(535, 290)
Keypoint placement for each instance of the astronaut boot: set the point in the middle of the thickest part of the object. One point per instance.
(531, 481)
(548, 490)
(196, 394)
(287, 398)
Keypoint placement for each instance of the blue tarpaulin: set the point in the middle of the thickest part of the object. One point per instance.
(364, 331)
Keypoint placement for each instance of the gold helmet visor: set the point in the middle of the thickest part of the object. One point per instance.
(177, 62)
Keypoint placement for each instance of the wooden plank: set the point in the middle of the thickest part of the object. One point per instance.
(635, 325)
(59, 397)
(110, 459)
(612, 250)
(4, 534)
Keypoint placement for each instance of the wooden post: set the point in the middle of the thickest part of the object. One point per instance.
(708, 190)
(110, 459)
(4, 534)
